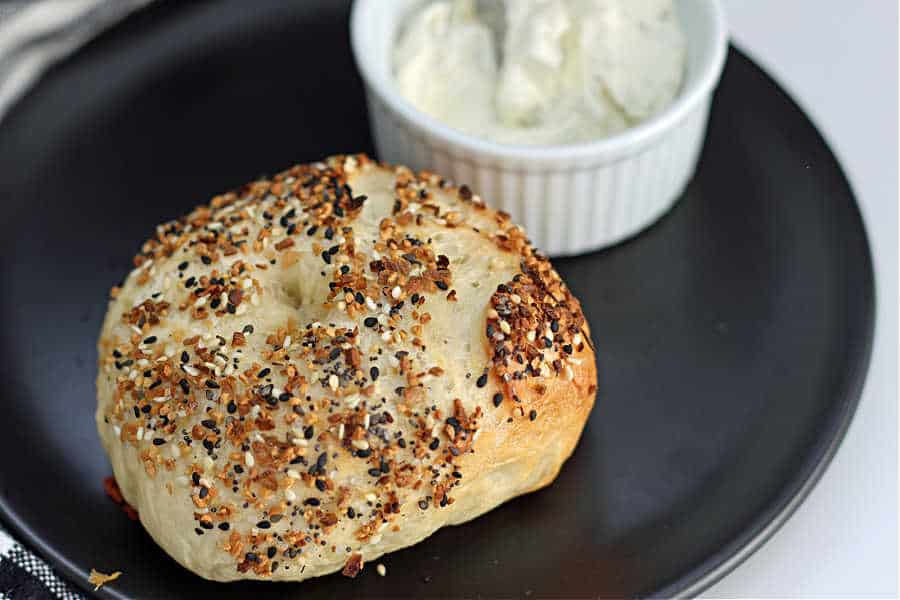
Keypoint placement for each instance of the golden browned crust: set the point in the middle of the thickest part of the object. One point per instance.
(319, 368)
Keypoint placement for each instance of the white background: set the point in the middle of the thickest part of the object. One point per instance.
(838, 58)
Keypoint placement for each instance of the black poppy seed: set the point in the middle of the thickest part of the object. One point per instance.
(248, 329)
(312, 230)
(320, 485)
(434, 443)
(206, 260)
(482, 380)
(251, 557)
(498, 399)
(329, 232)
(238, 469)
(335, 352)
(208, 423)
(321, 460)
(312, 502)
(264, 373)
(567, 348)
(308, 432)
(363, 453)
(137, 411)
(532, 415)
(204, 492)
(198, 531)
(208, 445)
(351, 513)
(441, 285)
(374, 373)
(212, 384)
(284, 397)
(150, 340)
(375, 472)
(158, 441)
(195, 477)
(232, 407)
(185, 356)
(183, 266)
(370, 322)
(117, 354)
(185, 386)
(224, 526)
(264, 525)
(326, 257)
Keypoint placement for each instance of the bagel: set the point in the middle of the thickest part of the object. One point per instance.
(319, 368)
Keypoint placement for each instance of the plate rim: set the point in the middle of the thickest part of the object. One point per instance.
(732, 553)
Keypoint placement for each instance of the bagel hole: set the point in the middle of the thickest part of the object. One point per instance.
(293, 295)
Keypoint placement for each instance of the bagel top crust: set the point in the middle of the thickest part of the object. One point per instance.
(330, 364)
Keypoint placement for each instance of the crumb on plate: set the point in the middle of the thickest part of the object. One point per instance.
(98, 579)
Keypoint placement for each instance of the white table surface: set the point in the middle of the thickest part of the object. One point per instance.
(838, 58)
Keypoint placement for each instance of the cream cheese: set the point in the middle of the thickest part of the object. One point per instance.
(568, 70)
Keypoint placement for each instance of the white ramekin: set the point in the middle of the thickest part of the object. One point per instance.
(570, 198)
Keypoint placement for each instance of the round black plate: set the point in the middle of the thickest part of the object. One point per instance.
(733, 336)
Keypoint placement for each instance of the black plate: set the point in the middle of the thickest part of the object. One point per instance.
(733, 336)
